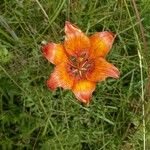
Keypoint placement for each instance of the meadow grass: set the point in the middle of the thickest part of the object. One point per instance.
(32, 117)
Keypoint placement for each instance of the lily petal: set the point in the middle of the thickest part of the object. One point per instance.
(76, 42)
(71, 28)
(101, 43)
(55, 53)
(83, 90)
(101, 70)
(60, 77)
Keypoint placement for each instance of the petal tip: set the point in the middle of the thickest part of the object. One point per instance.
(51, 85)
(111, 33)
(71, 28)
(115, 73)
(84, 98)
(67, 23)
(83, 90)
(53, 81)
(46, 47)
(109, 36)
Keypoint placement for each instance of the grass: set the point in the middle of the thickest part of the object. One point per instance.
(32, 117)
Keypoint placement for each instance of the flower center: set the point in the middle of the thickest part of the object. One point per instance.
(80, 65)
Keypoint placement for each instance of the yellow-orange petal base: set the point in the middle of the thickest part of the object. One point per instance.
(80, 61)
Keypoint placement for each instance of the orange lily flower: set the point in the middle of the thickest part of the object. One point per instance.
(80, 61)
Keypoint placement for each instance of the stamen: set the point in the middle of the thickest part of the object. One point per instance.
(80, 73)
(84, 63)
(83, 69)
(75, 70)
(79, 65)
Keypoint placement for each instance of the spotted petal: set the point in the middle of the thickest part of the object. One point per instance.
(61, 77)
(101, 43)
(55, 53)
(76, 42)
(101, 70)
(83, 90)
